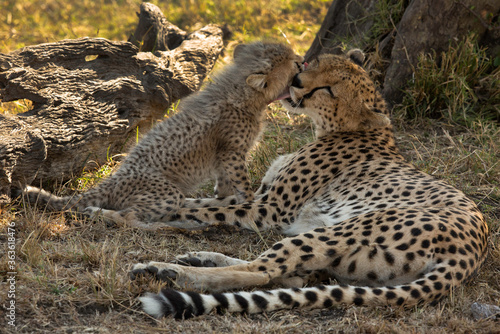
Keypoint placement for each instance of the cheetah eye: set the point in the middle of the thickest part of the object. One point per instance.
(327, 88)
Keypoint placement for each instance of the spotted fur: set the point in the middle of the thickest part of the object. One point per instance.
(357, 212)
(209, 137)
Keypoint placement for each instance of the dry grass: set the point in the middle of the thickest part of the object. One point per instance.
(72, 275)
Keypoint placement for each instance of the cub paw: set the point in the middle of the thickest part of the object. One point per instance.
(92, 212)
(99, 214)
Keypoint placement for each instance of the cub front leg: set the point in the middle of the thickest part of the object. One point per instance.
(234, 170)
(223, 187)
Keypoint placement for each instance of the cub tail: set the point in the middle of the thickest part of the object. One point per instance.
(53, 202)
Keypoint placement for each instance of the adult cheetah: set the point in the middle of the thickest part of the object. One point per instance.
(208, 137)
(388, 233)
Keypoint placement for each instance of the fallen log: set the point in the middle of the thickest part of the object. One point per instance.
(90, 96)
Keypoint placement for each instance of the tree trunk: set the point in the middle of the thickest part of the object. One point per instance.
(347, 21)
(426, 26)
(430, 25)
(91, 95)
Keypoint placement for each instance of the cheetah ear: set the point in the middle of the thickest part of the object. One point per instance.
(357, 56)
(257, 81)
(373, 119)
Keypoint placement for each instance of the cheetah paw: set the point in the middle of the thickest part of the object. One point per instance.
(164, 272)
(195, 259)
(207, 259)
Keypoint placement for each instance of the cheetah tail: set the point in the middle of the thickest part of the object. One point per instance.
(44, 198)
(431, 287)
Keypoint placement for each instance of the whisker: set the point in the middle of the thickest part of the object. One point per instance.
(299, 102)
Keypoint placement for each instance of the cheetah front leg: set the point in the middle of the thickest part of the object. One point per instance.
(224, 187)
(272, 173)
(232, 199)
(202, 278)
(256, 215)
(210, 202)
(289, 262)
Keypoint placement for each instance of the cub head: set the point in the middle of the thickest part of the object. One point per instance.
(269, 67)
(337, 93)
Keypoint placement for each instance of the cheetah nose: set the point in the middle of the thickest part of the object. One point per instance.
(296, 82)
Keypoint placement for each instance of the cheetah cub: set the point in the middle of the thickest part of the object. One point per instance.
(209, 137)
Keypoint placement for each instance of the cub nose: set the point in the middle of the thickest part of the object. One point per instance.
(296, 82)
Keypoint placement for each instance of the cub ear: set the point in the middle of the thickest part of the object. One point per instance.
(257, 81)
(238, 50)
(357, 56)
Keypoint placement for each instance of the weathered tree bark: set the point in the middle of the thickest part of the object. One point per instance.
(21, 148)
(91, 95)
(154, 32)
(426, 26)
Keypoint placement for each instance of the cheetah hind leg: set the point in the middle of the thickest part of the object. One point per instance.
(142, 207)
(137, 216)
(272, 173)
(128, 217)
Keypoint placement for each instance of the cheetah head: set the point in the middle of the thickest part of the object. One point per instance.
(337, 93)
(269, 67)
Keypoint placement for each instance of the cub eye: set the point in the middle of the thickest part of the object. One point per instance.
(301, 66)
(313, 64)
